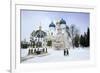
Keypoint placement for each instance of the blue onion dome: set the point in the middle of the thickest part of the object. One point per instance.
(52, 25)
(62, 21)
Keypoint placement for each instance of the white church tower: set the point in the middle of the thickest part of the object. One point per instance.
(52, 29)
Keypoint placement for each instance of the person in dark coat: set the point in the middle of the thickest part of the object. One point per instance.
(64, 52)
(67, 52)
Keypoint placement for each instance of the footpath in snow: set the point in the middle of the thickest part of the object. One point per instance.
(56, 55)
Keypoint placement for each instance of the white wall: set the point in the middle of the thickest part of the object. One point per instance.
(89, 2)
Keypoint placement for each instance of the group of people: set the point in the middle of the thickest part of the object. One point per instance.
(37, 51)
(66, 52)
(44, 50)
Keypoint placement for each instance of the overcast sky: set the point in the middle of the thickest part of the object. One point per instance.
(31, 20)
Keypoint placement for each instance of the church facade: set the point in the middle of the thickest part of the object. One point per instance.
(58, 34)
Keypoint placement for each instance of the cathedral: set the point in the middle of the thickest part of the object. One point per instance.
(59, 35)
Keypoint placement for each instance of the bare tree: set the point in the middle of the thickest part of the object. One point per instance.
(73, 32)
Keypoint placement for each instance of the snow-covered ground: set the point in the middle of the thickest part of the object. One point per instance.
(56, 55)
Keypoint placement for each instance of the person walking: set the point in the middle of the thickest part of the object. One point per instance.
(67, 52)
(64, 52)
